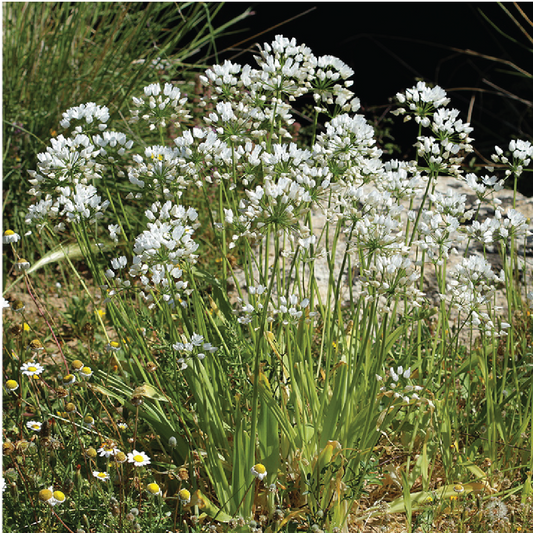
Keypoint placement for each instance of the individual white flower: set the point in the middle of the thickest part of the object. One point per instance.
(259, 471)
(108, 449)
(31, 369)
(10, 237)
(34, 425)
(86, 371)
(114, 231)
(69, 379)
(22, 264)
(102, 476)
(119, 262)
(138, 458)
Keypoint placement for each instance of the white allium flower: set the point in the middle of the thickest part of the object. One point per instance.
(88, 112)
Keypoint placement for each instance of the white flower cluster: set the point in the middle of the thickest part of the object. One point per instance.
(161, 252)
(471, 291)
(421, 101)
(444, 150)
(398, 384)
(484, 188)
(290, 310)
(194, 346)
(64, 182)
(254, 305)
(89, 112)
(521, 153)
(500, 228)
(158, 105)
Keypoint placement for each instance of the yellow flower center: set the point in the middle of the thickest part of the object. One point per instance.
(120, 457)
(153, 488)
(91, 452)
(59, 496)
(259, 468)
(138, 458)
(11, 384)
(102, 474)
(184, 494)
(32, 368)
(45, 495)
(9, 232)
(86, 370)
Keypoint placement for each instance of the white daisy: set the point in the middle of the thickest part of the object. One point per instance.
(138, 458)
(31, 369)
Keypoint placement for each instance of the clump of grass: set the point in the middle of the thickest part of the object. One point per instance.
(261, 354)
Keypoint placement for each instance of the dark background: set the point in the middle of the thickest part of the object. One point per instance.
(392, 45)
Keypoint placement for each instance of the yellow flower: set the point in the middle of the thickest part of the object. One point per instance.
(59, 497)
(91, 452)
(46, 495)
(18, 306)
(69, 379)
(77, 365)
(120, 457)
(36, 344)
(86, 372)
(12, 385)
(154, 489)
(51, 497)
(458, 488)
(184, 496)
(113, 346)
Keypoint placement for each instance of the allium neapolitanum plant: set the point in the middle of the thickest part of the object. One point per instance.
(267, 334)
